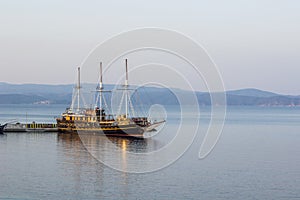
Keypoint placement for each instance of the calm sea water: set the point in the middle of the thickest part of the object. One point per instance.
(257, 157)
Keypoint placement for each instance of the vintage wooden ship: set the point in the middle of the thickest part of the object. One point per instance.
(96, 120)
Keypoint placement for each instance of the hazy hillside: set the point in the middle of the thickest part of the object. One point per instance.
(62, 94)
(250, 92)
(20, 98)
(6, 88)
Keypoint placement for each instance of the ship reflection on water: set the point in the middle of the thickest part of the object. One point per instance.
(103, 148)
(85, 173)
(129, 144)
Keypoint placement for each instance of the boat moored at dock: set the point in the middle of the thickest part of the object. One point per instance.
(2, 127)
(97, 120)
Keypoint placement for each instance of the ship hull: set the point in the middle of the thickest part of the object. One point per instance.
(2, 128)
(120, 131)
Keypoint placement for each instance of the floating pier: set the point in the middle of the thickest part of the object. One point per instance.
(31, 127)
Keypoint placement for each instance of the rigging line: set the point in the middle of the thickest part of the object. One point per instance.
(105, 104)
(131, 107)
(97, 100)
(120, 105)
(83, 99)
(73, 98)
(96, 97)
(138, 100)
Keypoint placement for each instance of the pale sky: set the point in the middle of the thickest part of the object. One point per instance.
(255, 44)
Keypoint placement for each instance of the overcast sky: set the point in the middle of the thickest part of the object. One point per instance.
(254, 43)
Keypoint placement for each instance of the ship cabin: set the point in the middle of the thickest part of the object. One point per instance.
(87, 115)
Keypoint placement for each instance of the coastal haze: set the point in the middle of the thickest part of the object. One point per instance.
(62, 94)
(255, 44)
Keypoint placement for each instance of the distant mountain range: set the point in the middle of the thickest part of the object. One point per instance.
(62, 94)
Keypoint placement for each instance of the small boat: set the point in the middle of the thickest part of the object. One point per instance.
(2, 128)
(97, 121)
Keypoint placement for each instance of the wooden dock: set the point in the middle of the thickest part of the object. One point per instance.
(31, 127)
